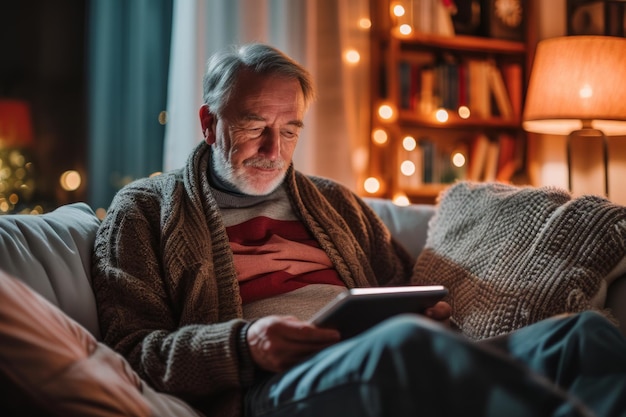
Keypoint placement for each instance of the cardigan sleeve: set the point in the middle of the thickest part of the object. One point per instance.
(164, 320)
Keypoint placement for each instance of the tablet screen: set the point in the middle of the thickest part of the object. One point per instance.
(357, 309)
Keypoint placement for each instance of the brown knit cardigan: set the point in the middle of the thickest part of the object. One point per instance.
(166, 287)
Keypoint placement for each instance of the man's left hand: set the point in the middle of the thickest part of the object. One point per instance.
(440, 312)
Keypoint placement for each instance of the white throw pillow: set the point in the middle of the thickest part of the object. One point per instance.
(51, 253)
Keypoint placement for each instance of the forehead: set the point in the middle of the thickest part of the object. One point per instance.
(261, 92)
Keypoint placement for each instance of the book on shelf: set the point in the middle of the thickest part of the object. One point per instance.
(487, 159)
(427, 99)
(405, 84)
(437, 166)
(427, 83)
(479, 147)
(463, 84)
(499, 90)
(511, 159)
(513, 75)
(428, 167)
(415, 85)
(494, 159)
(491, 161)
(432, 16)
(411, 72)
(479, 96)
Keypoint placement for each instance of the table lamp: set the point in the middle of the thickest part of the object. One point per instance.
(577, 87)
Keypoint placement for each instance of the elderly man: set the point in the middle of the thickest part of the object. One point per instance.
(205, 278)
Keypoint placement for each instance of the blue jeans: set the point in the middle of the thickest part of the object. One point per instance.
(411, 366)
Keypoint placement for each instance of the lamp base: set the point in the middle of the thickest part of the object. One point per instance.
(585, 142)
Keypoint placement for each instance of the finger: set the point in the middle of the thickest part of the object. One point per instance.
(309, 334)
(276, 342)
(440, 311)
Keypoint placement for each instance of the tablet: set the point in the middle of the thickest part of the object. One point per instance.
(356, 310)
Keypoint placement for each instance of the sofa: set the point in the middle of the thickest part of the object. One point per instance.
(51, 253)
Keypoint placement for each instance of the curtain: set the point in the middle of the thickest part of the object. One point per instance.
(316, 33)
(129, 46)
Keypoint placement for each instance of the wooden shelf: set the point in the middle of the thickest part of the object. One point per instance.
(408, 118)
(421, 73)
(459, 43)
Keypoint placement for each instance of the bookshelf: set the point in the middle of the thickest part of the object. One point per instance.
(444, 107)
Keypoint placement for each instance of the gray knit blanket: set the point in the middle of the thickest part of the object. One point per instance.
(511, 256)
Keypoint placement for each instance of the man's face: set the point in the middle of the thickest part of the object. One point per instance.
(256, 135)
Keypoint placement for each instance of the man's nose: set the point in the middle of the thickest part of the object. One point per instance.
(270, 145)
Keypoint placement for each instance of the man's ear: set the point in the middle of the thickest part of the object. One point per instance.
(207, 122)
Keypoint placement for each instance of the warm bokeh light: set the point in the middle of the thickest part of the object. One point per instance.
(405, 29)
(371, 185)
(101, 213)
(398, 10)
(464, 112)
(385, 112)
(365, 23)
(401, 200)
(352, 56)
(70, 180)
(17, 158)
(586, 91)
(407, 168)
(409, 143)
(458, 159)
(36, 210)
(441, 115)
(17, 184)
(360, 159)
(163, 117)
(379, 136)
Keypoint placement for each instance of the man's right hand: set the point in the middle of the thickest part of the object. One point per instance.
(278, 342)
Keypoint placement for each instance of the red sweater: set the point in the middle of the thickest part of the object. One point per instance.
(273, 252)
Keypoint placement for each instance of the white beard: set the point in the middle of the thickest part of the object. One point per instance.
(242, 181)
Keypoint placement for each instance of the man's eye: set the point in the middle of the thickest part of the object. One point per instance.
(255, 132)
(288, 134)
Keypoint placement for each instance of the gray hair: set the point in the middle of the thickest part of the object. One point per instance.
(224, 67)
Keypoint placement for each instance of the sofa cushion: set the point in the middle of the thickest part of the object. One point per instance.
(54, 363)
(511, 256)
(51, 253)
(407, 224)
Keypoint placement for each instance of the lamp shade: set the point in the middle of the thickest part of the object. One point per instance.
(16, 128)
(576, 80)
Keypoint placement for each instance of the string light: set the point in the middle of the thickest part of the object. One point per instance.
(405, 29)
(407, 168)
(371, 185)
(352, 56)
(70, 180)
(17, 183)
(379, 136)
(409, 143)
(401, 200)
(442, 115)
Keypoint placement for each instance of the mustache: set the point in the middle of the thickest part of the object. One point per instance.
(263, 163)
